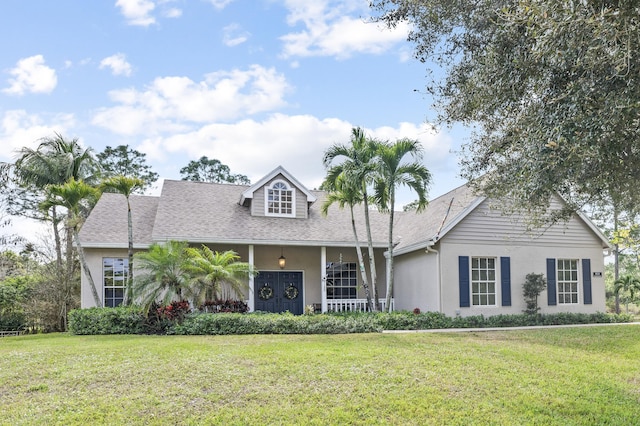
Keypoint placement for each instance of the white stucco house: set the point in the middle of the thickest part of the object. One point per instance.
(461, 256)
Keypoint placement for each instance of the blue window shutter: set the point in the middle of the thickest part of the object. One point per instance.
(551, 282)
(463, 271)
(505, 280)
(586, 280)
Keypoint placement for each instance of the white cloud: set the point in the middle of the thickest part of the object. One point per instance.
(117, 63)
(219, 4)
(297, 143)
(172, 13)
(137, 12)
(234, 35)
(331, 29)
(19, 129)
(172, 103)
(33, 76)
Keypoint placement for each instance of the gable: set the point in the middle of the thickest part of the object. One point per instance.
(486, 224)
(278, 194)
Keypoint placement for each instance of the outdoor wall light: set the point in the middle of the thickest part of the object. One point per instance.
(282, 261)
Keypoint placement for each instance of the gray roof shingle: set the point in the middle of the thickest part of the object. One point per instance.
(106, 226)
(210, 213)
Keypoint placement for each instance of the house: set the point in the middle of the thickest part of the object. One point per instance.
(461, 256)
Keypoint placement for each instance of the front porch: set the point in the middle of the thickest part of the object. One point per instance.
(325, 279)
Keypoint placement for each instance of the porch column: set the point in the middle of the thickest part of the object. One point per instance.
(251, 261)
(323, 274)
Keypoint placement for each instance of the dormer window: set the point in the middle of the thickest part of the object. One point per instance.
(280, 200)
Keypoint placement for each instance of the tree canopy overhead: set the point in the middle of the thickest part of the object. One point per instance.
(550, 87)
(213, 171)
(124, 161)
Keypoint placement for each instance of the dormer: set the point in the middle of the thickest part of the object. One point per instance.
(278, 194)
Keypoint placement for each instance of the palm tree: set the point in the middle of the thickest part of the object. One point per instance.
(75, 195)
(392, 172)
(344, 195)
(356, 168)
(125, 186)
(628, 284)
(210, 270)
(163, 275)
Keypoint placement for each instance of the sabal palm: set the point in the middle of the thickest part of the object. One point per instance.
(75, 196)
(627, 284)
(393, 171)
(211, 270)
(126, 186)
(356, 167)
(343, 194)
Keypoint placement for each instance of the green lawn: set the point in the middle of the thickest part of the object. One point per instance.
(587, 375)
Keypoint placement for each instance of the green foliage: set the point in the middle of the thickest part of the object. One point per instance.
(275, 324)
(627, 287)
(211, 170)
(124, 161)
(13, 294)
(551, 88)
(569, 376)
(213, 273)
(533, 285)
(174, 319)
(120, 320)
(162, 275)
(348, 181)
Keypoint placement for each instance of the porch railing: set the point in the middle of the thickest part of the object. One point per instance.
(354, 305)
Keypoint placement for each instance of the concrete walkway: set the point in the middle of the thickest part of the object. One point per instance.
(531, 327)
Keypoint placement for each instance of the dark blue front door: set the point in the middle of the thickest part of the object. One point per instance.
(279, 291)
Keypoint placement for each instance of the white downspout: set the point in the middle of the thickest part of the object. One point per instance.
(251, 303)
(438, 272)
(323, 275)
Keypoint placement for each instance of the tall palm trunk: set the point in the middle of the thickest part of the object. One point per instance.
(128, 297)
(392, 202)
(56, 237)
(85, 268)
(372, 259)
(363, 272)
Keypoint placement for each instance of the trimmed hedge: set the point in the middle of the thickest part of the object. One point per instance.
(131, 320)
(120, 320)
(275, 324)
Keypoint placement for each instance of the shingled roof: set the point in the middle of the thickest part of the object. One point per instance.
(201, 212)
(107, 224)
(418, 230)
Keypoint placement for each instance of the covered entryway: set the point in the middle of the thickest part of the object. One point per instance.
(279, 291)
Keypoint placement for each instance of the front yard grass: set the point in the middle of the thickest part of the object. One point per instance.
(586, 375)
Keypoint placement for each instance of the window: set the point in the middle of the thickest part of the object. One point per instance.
(342, 280)
(567, 281)
(115, 272)
(280, 200)
(483, 281)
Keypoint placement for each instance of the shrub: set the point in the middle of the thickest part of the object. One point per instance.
(120, 320)
(226, 306)
(163, 320)
(533, 285)
(203, 323)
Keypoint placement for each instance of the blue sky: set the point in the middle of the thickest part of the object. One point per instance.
(255, 84)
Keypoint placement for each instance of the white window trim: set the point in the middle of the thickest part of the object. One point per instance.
(496, 282)
(293, 199)
(578, 282)
(105, 287)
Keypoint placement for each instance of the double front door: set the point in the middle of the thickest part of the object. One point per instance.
(279, 291)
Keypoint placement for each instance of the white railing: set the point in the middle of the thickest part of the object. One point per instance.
(354, 305)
